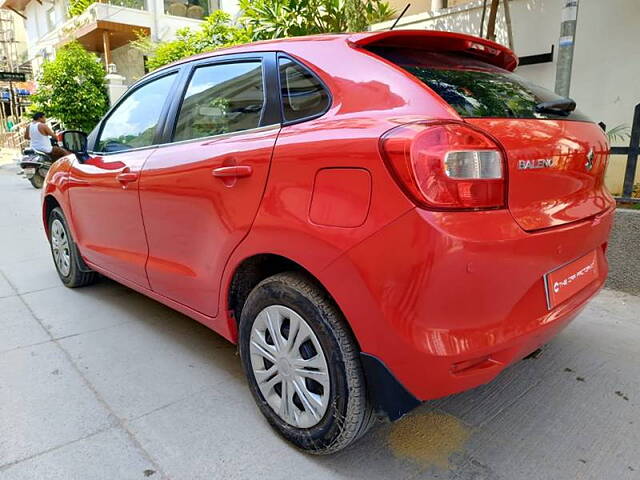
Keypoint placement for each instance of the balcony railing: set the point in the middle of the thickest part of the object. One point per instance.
(80, 7)
(196, 9)
(632, 152)
(136, 4)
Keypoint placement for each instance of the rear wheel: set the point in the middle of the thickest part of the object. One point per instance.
(37, 180)
(303, 365)
(65, 253)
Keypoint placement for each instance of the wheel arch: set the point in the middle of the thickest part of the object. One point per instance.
(253, 269)
(54, 191)
(387, 395)
(48, 204)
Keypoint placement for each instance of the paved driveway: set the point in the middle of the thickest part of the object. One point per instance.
(103, 383)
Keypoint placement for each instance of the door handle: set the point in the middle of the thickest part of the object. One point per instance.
(126, 177)
(232, 171)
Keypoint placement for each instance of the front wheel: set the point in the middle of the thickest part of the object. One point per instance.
(65, 253)
(303, 365)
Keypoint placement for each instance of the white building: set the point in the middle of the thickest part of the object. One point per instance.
(606, 63)
(108, 28)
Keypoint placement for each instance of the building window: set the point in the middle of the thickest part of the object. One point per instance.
(454, 3)
(51, 18)
(197, 9)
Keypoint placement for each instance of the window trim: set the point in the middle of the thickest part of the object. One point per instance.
(285, 122)
(272, 116)
(210, 138)
(157, 138)
(187, 83)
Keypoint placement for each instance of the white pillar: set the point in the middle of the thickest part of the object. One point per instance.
(156, 9)
(115, 86)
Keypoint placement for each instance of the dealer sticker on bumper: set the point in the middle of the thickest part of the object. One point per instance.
(564, 282)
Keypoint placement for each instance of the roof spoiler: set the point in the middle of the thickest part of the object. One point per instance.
(437, 41)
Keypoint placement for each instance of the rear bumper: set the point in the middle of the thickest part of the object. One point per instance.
(447, 300)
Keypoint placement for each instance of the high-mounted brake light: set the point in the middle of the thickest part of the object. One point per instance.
(445, 166)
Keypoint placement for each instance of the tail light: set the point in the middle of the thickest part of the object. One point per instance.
(446, 166)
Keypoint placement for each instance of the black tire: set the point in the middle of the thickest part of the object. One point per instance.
(37, 180)
(75, 277)
(349, 414)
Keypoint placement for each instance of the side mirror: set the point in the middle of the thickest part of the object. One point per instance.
(74, 140)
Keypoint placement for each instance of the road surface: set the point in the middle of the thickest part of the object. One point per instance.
(104, 383)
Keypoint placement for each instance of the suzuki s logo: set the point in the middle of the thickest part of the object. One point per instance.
(535, 164)
(589, 163)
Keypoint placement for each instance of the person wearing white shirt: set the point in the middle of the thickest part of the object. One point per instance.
(40, 135)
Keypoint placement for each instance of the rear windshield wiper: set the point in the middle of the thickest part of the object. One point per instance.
(562, 106)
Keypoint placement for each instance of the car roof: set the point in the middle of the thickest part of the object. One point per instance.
(428, 40)
(259, 46)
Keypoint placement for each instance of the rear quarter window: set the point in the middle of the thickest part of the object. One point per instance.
(476, 89)
(303, 95)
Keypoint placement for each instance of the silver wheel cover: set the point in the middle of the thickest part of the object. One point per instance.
(289, 366)
(60, 247)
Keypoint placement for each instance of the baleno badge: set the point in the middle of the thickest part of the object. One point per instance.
(535, 164)
(589, 163)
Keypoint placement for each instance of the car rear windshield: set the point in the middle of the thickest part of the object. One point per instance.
(475, 88)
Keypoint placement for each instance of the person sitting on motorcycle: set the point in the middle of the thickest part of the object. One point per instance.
(40, 135)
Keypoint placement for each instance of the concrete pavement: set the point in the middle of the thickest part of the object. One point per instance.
(104, 383)
(8, 155)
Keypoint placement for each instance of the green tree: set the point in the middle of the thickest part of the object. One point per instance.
(72, 88)
(266, 19)
(217, 31)
(76, 7)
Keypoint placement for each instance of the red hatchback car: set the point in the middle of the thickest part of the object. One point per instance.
(377, 219)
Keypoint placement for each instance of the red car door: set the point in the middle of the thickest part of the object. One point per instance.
(103, 188)
(199, 194)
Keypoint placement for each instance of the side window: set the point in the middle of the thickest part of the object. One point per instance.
(302, 93)
(221, 98)
(133, 123)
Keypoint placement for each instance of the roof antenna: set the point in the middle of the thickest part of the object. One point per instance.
(400, 16)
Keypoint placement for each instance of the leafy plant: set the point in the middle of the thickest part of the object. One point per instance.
(72, 88)
(76, 7)
(267, 19)
(216, 31)
(620, 133)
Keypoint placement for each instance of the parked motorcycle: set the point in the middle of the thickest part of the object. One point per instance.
(35, 165)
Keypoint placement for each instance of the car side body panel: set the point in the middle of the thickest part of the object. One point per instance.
(106, 213)
(193, 219)
(283, 226)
